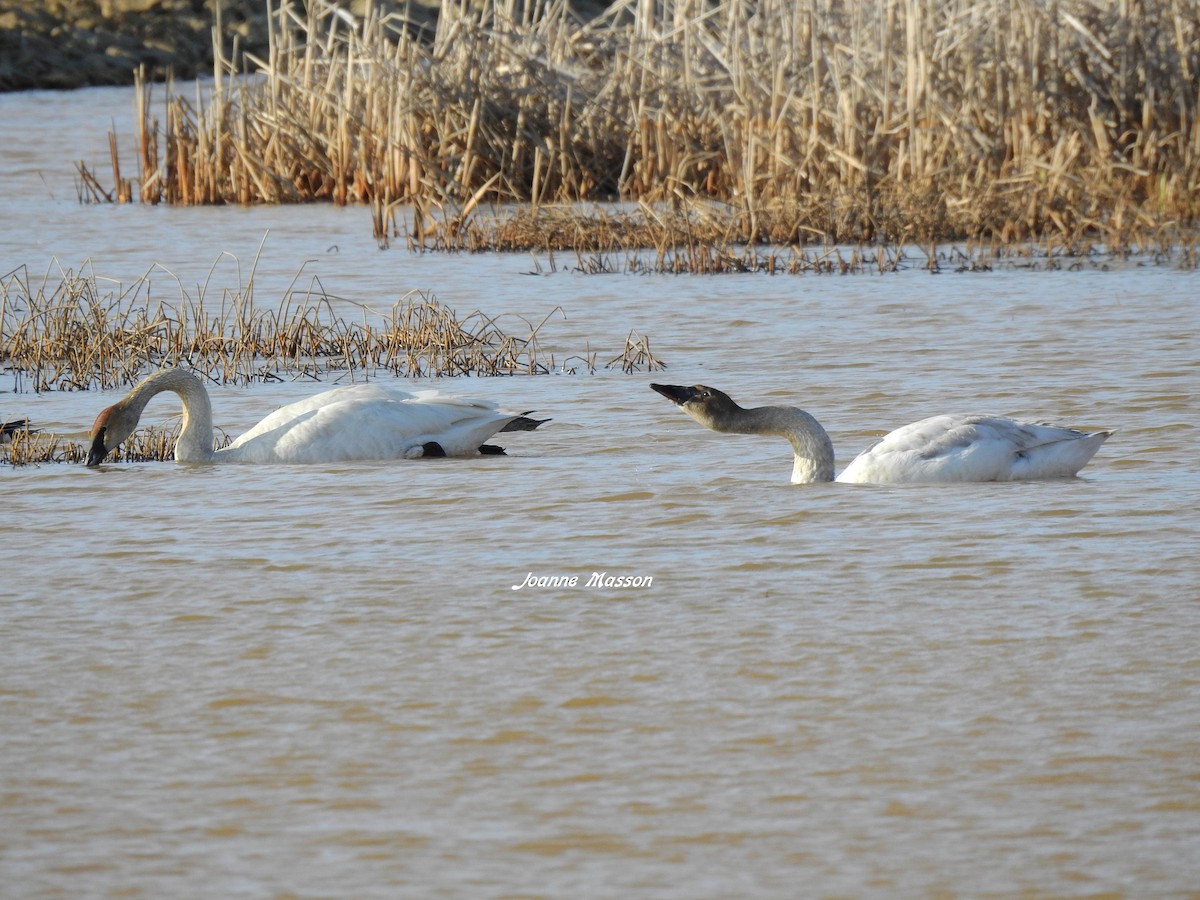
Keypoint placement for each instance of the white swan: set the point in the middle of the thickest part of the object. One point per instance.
(941, 448)
(356, 422)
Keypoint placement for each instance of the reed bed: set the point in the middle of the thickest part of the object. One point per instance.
(67, 331)
(696, 239)
(152, 444)
(808, 120)
(31, 447)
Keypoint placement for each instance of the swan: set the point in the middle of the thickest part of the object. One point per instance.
(355, 422)
(941, 448)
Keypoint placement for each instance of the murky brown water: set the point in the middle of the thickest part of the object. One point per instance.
(318, 681)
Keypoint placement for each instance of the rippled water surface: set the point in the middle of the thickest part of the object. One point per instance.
(236, 681)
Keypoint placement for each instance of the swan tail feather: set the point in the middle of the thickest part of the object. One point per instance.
(524, 423)
(16, 425)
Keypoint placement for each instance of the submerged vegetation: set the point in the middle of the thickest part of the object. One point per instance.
(777, 122)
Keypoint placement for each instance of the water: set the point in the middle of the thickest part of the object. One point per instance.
(318, 681)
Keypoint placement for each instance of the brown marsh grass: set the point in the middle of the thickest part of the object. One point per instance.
(901, 121)
(69, 331)
(695, 239)
(152, 444)
(29, 447)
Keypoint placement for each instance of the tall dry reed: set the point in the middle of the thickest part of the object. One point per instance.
(806, 119)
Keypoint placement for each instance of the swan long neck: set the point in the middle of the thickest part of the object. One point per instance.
(810, 442)
(195, 442)
(717, 410)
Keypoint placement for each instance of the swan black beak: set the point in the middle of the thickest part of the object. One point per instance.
(97, 452)
(676, 393)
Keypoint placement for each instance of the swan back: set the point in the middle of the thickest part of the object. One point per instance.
(368, 422)
(974, 448)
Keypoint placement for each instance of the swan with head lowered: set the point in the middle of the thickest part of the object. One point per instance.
(355, 422)
(941, 448)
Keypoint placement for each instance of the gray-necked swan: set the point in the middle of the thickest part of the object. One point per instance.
(355, 422)
(941, 448)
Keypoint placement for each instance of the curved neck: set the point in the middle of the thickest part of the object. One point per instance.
(195, 442)
(810, 443)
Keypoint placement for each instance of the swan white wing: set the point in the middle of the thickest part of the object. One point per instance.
(973, 448)
(366, 422)
(372, 392)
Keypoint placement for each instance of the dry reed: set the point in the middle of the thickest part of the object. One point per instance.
(636, 354)
(32, 447)
(67, 332)
(153, 444)
(809, 120)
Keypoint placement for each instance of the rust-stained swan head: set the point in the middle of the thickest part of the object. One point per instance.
(111, 428)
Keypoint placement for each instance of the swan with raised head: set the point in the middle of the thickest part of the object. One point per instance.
(941, 448)
(355, 422)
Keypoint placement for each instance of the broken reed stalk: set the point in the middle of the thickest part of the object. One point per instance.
(636, 355)
(69, 333)
(811, 119)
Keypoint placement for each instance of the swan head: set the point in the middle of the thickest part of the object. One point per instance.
(708, 406)
(112, 426)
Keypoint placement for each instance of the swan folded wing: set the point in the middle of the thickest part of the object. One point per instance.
(973, 448)
(365, 425)
(293, 413)
(370, 391)
(1025, 451)
(1056, 452)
